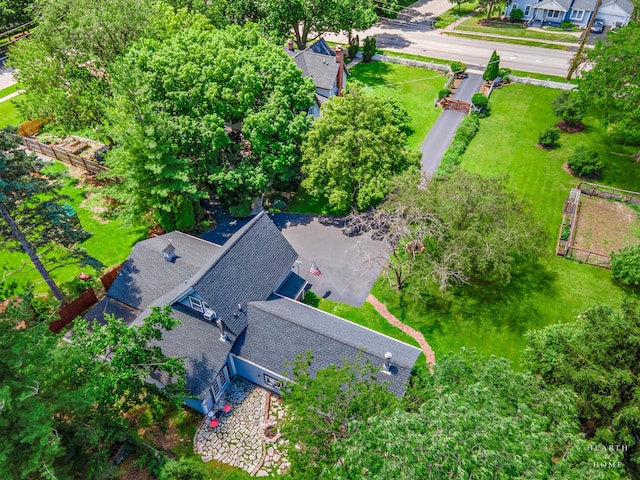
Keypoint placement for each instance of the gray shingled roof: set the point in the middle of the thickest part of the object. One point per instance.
(328, 337)
(323, 69)
(146, 275)
(321, 47)
(586, 5)
(247, 269)
(553, 5)
(199, 343)
(624, 4)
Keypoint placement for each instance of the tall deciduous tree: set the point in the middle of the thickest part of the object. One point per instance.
(305, 18)
(32, 211)
(354, 149)
(322, 407)
(610, 83)
(456, 229)
(478, 419)
(206, 109)
(597, 357)
(61, 404)
(14, 11)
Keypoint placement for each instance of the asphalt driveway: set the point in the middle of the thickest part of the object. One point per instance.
(349, 265)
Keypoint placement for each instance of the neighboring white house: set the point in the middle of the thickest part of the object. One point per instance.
(326, 67)
(578, 12)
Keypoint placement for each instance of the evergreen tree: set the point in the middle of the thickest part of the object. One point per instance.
(493, 68)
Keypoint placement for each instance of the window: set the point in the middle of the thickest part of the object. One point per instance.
(527, 10)
(553, 14)
(577, 14)
(272, 382)
(196, 304)
(220, 382)
(514, 7)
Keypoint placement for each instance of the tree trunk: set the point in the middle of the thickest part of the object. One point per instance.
(6, 216)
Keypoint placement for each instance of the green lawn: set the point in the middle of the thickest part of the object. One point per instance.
(110, 242)
(9, 90)
(513, 41)
(9, 114)
(514, 30)
(415, 89)
(454, 14)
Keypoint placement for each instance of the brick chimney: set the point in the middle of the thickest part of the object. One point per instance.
(290, 45)
(340, 75)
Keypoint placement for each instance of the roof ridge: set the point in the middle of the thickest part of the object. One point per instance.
(332, 315)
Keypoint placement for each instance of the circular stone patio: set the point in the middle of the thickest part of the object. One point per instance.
(240, 439)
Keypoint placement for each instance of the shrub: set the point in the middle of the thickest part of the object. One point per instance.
(354, 46)
(458, 68)
(625, 265)
(369, 48)
(566, 232)
(567, 25)
(549, 136)
(516, 15)
(570, 107)
(479, 100)
(279, 205)
(241, 211)
(585, 162)
(310, 298)
(185, 217)
(183, 469)
(505, 73)
(444, 93)
(465, 133)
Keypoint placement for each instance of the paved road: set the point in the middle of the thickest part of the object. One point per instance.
(6, 80)
(444, 129)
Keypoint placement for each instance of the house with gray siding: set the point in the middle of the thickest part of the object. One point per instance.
(579, 12)
(239, 312)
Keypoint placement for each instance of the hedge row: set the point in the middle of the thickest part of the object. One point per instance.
(466, 131)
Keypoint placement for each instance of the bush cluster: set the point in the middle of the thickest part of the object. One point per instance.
(369, 48)
(466, 131)
(549, 136)
(444, 93)
(585, 162)
(625, 265)
(241, 211)
(354, 47)
(516, 15)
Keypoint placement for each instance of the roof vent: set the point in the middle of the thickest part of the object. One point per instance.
(386, 366)
(223, 335)
(210, 315)
(169, 252)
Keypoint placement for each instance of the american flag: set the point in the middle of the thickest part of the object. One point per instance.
(314, 270)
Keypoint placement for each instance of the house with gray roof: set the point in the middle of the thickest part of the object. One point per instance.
(238, 312)
(579, 12)
(326, 67)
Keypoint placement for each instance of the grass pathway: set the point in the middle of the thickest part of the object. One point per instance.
(382, 309)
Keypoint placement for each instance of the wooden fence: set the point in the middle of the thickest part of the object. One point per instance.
(71, 310)
(589, 257)
(109, 277)
(569, 219)
(88, 165)
(602, 191)
(457, 105)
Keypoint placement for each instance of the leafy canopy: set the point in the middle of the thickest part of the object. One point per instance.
(625, 265)
(597, 357)
(355, 148)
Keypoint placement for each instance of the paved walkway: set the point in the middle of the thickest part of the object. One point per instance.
(382, 309)
(11, 95)
(443, 131)
(248, 438)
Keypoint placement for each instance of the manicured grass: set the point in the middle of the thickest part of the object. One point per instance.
(414, 88)
(302, 202)
(110, 242)
(514, 41)
(542, 76)
(367, 317)
(410, 56)
(514, 30)
(9, 90)
(452, 15)
(9, 114)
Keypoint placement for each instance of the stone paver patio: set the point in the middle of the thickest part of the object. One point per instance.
(240, 439)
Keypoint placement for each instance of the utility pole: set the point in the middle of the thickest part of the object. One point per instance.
(578, 56)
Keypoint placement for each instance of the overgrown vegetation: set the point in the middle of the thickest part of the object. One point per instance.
(465, 133)
(625, 265)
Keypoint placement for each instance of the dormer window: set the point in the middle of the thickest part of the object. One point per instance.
(196, 304)
(169, 252)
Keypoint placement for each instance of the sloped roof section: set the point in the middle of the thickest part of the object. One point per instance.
(322, 68)
(248, 268)
(147, 275)
(625, 5)
(557, 5)
(329, 338)
(199, 344)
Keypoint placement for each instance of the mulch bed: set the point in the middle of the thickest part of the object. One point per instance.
(566, 128)
(544, 148)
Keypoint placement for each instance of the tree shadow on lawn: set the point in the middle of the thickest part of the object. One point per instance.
(371, 74)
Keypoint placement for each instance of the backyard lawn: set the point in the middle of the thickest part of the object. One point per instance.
(110, 243)
(9, 114)
(493, 319)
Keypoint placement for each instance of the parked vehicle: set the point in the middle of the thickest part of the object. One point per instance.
(598, 26)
